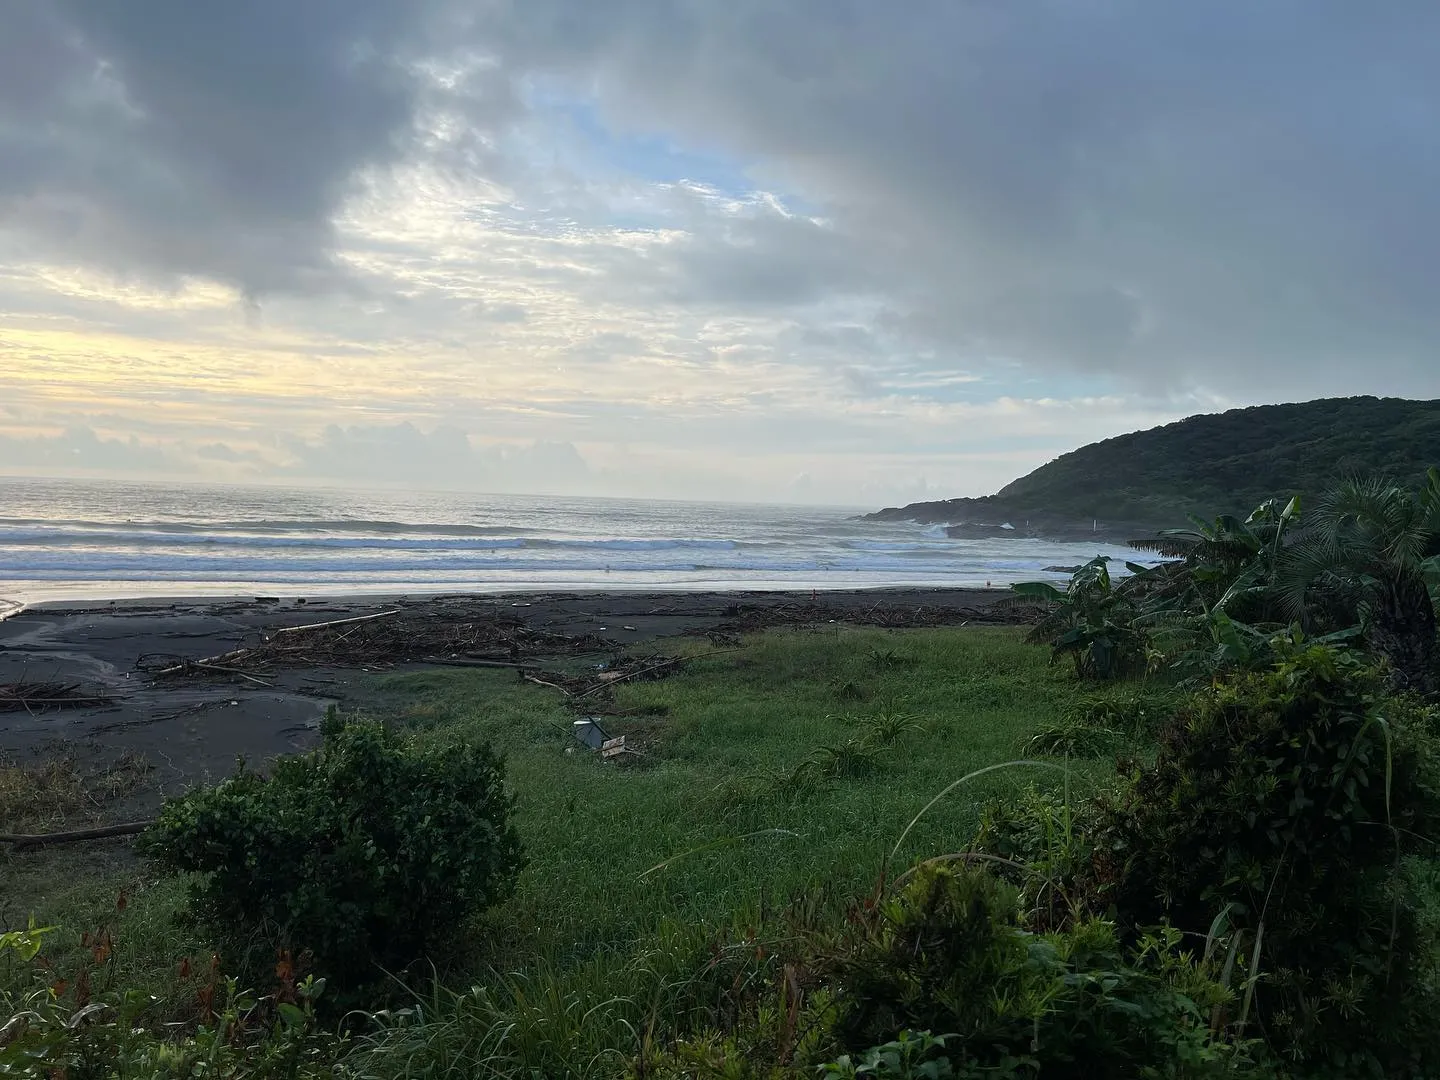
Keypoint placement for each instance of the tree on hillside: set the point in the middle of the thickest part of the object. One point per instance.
(1373, 548)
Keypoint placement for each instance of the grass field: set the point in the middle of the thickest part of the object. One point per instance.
(722, 743)
(785, 769)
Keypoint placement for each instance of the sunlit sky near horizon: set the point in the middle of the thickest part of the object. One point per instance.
(828, 251)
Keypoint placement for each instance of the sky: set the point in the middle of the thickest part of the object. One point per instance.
(833, 251)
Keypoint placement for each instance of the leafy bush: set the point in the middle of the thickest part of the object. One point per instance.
(1278, 813)
(368, 851)
(947, 954)
(910, 1056)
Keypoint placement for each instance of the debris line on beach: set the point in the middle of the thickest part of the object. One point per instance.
(745, 618)
(384, 639)
(34, 697)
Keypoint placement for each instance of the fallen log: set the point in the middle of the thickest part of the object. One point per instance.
(23, 841)
(333, 622)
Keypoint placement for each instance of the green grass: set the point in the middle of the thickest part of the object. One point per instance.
(719, 764)
(784, 769)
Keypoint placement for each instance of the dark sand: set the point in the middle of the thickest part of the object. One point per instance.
(191, 730)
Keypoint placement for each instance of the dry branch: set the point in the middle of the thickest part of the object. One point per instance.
(668, 662)
(333, 622)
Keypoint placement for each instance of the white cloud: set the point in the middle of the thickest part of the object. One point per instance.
(709, 248)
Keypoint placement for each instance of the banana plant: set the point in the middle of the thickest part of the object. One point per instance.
(1091, 620)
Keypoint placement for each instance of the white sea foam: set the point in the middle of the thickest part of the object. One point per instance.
(67, 538)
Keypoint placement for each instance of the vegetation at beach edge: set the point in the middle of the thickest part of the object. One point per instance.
(1184, 831)
(1210, 464)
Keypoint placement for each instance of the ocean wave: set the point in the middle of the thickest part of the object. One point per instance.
(56, 538)
(49, 564)
(264, 526)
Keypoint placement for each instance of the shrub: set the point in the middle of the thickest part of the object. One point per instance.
(947, 954)
(367, 851)
(1284, 802)
(911, 1056)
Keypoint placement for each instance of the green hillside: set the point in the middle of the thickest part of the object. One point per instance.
(1222, 462)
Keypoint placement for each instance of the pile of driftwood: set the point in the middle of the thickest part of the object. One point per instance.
(384, 639)
(36, 697)
(748, 618)
(599, 683)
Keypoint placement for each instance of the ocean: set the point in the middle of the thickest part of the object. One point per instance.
(70, 539)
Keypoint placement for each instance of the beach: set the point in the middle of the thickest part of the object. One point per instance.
(190, 723)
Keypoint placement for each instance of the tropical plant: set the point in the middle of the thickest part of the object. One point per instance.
(1371, 553)
(911, 1055)
(1091, 620)
(1214, 556)
(366, 852)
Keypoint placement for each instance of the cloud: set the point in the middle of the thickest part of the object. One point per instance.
(79, 449)
(184, 138)
(1224, 194)
(445, 458)
(708, 244)
(1233, 196)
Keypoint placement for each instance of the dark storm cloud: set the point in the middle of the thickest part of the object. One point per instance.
(205, 138)
(1246, 191)
(1238, 194)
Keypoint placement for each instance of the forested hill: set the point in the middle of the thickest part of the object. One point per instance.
(1219, 463)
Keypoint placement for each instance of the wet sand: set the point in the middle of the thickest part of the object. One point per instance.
(192, 730)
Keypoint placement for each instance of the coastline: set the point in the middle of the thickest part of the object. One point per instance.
(191, 730)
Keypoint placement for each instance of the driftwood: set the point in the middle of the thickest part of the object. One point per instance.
(23, 841)
(39, 696)
(528, 677)
(333, 622)
(669, 662)
(744, 618)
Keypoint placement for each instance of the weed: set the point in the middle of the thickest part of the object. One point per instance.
(54, 792)
(890, 660)
(1074, 738)
(883, 728)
